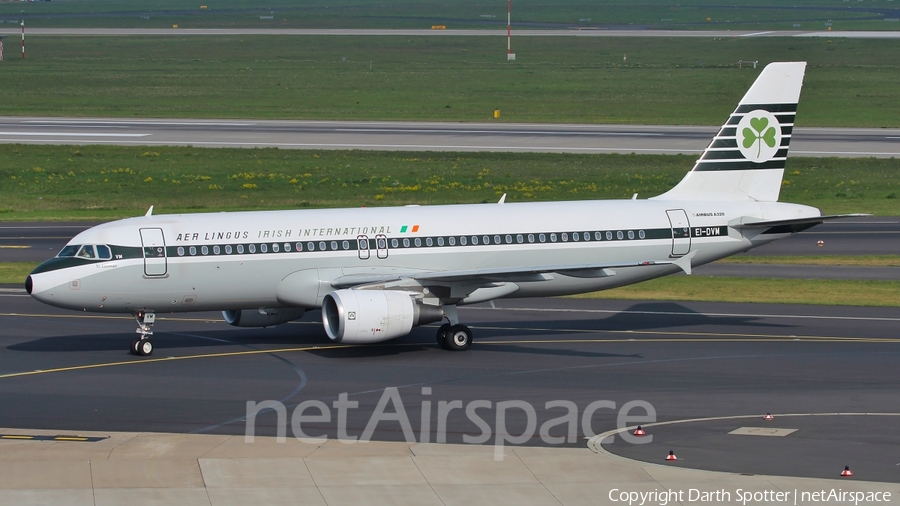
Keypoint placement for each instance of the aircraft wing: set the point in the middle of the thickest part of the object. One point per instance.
(478, 277)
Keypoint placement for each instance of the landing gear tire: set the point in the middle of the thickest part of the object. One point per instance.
(458, 338)
(142, 347)
(442, 336)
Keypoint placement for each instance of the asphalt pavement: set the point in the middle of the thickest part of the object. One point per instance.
(426, 136)
(72, 371)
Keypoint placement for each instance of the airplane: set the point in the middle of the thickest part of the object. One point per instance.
(376, 273)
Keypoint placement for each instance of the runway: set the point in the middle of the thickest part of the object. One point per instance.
(415, 136)
(518, 32)
(71, 371)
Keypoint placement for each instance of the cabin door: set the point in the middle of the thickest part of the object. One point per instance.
(154, 252)
(681, 232)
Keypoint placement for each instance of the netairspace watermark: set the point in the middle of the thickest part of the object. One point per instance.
(477, 411)
(743, 497)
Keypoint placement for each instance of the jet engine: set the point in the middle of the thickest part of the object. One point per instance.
(262, 317)
(370, 316)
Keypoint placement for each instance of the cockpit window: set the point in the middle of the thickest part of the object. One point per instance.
(86, 252)
(103, 252)
(68, 251)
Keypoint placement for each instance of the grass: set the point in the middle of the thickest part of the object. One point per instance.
(850, 82)
(836, 260)
(761, 290)
(106, 182)
(699, 14)
(14, 273)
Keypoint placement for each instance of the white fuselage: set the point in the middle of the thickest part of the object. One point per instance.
(224, 261)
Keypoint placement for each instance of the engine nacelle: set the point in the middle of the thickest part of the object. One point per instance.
(262, 317)
(370, 316)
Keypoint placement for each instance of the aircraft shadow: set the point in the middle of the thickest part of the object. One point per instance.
(638, 317)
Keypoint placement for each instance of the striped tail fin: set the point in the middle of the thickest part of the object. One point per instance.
(745, 160)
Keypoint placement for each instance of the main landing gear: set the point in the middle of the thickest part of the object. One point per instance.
(454, 337)
(142, 345)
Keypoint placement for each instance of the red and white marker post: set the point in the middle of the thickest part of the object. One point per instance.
(509, 54)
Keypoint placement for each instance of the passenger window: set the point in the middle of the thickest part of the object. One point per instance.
(86, 252)
(103, 252)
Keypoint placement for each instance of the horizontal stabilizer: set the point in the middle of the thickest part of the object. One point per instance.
(792, 225)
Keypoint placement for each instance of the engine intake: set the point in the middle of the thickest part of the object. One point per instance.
(261, 317)
(370, 316)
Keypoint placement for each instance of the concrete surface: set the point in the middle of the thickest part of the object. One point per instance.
(211, 470)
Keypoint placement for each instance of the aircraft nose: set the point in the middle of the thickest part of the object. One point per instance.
(29, 284)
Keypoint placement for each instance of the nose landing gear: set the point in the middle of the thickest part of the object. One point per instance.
(142, 346)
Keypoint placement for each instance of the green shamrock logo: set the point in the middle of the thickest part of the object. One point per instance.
(759, 133)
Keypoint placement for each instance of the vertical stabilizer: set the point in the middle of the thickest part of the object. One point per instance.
(745, 160)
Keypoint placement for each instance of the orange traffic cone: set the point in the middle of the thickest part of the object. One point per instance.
(846, 471)
(671, 456)
(639, 431)
(768, 417)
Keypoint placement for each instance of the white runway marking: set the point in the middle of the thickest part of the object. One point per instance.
(65, 134)
(136, 122)
(515, 132)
